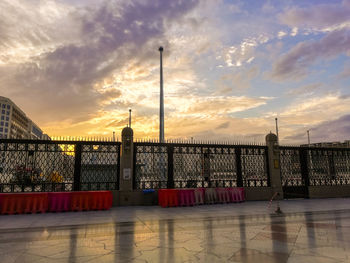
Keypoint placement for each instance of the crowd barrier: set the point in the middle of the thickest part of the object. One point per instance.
(168, 197)
(186, 197)
(23, 203)
(59, 201)
(198, 196)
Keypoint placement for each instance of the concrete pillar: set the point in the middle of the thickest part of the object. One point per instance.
(126, 167)
(274, 165)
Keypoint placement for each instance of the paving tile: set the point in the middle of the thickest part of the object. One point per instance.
(307, 231)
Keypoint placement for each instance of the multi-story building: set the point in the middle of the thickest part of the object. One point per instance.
(346, 143)
(15, 124)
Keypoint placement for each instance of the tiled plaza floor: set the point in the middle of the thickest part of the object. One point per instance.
(307, 231)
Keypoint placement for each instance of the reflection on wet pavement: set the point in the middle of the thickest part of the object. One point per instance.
(245, 232)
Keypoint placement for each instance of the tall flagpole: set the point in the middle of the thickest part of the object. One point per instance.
(277, 130)
(161, 110)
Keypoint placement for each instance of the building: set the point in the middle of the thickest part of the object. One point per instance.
(14, 123)
(346, 144)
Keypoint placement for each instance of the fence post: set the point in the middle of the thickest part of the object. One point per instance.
(126, 160)
(170, 182)
(239, 167)
(304, 166)
(77, 167)
(126, 173)
(274, 164)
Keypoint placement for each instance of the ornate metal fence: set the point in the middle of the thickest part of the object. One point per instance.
(329, 166)
(291, 167)
(302, 167)
(150, 166)
(100, 165)
(254, 163)
(35, 166)
(178, 165)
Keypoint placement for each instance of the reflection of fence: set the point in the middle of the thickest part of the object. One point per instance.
(34, 165)
(168, 165)
(310, 166)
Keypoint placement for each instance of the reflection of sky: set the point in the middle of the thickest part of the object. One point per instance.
(230, 67)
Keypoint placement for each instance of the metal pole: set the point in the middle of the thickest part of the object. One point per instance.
(161, 110)
(277, 129)
(308, 137)
(129, 118)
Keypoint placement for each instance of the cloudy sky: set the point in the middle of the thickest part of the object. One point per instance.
(230, 67)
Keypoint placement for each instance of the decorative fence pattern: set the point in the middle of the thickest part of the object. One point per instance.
(177, 165)
(150, 166)
(329, 166)
(38, 166)
(49, 166)
(291, 167)
(309, 166)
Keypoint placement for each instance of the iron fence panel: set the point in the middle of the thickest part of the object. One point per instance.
(37, 166)
(100, 167)
(323, 166)
(150, 166)
(204, 166)
(290, 166)
(329, 166)
(30, 166)
(198, 165)
(254, 166)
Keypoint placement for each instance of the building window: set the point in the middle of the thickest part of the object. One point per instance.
(6, 130)
(7, 113)
(7, 118)
(8, 107)
(3, 106)
(1, 129)
(2, 123)
(2, 118)
(3, 111)
(6, 124)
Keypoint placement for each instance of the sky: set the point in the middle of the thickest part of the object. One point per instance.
(230, 67)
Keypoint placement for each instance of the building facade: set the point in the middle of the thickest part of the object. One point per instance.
(14, 123)
(345, 143)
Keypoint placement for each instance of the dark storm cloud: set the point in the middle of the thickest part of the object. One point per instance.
(335, 130)
(333, 19)
(317, 16)
(295, 63)
(62, 80)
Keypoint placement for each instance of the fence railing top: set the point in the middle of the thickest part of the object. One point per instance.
(35, 141)
(200, 144)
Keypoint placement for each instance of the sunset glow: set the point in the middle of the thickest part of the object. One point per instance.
(230, 67)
